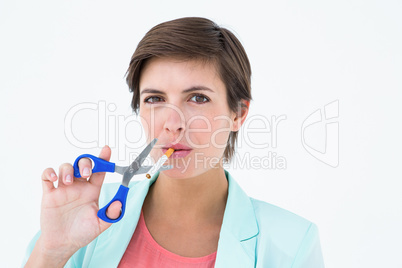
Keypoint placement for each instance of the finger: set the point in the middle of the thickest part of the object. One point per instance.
(97, 178)
(48, 177)
(85, 167)
(113, 212)
(66, 175)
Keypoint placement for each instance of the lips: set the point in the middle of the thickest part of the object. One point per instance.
(180, 150)
(176, 147)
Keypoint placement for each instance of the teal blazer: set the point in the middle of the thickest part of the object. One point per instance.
(253, 233)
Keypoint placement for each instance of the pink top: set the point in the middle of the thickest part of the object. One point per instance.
(144, 251)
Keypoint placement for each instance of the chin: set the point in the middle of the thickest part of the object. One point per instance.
(184, 172)
(179, 173)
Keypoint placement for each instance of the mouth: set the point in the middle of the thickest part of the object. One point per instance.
(180, 150)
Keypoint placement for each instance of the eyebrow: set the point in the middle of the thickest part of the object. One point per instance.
(191, 89)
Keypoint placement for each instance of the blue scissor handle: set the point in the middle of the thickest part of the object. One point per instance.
(120, 196)
(100, 165)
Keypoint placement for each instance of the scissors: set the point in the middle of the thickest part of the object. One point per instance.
(128, 172)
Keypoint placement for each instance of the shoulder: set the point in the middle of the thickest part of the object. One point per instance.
(276, 217)
(286, 234)
(280, 225)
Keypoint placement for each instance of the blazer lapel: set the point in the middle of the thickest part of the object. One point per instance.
(237, 240)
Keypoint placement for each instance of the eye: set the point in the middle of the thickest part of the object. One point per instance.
(199, 98)
(153, 99)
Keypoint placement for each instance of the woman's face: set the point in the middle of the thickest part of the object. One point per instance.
(183, 104)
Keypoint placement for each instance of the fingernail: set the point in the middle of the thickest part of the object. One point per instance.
(53, 175)
(85, 172)
(68, 178)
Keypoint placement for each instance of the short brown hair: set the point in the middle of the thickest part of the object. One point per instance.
(196, 38)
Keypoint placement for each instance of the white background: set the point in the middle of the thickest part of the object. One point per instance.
(304, 54)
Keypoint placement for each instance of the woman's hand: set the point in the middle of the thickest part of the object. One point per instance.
(69, 218)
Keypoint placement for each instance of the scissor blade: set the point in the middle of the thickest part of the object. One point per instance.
(136, 164)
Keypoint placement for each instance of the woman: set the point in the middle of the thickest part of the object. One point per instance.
(191, 86)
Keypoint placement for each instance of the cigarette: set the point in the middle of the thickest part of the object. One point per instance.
(161, 160)
(169, 153)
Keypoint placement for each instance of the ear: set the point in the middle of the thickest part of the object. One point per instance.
(240, 116)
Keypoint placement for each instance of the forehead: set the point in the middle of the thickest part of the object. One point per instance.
(179, 74)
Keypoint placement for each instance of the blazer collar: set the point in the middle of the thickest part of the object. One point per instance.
(237, 240)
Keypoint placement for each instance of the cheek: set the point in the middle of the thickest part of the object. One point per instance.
(150, 125)
(221, 131)
(199, 124)
(145, 122)
(208, 130)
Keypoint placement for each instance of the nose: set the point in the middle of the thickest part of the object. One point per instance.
(174, 121)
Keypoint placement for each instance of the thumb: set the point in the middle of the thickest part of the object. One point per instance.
(97, 178)
(113, 212)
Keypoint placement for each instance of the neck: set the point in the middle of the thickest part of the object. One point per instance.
(200, 199)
